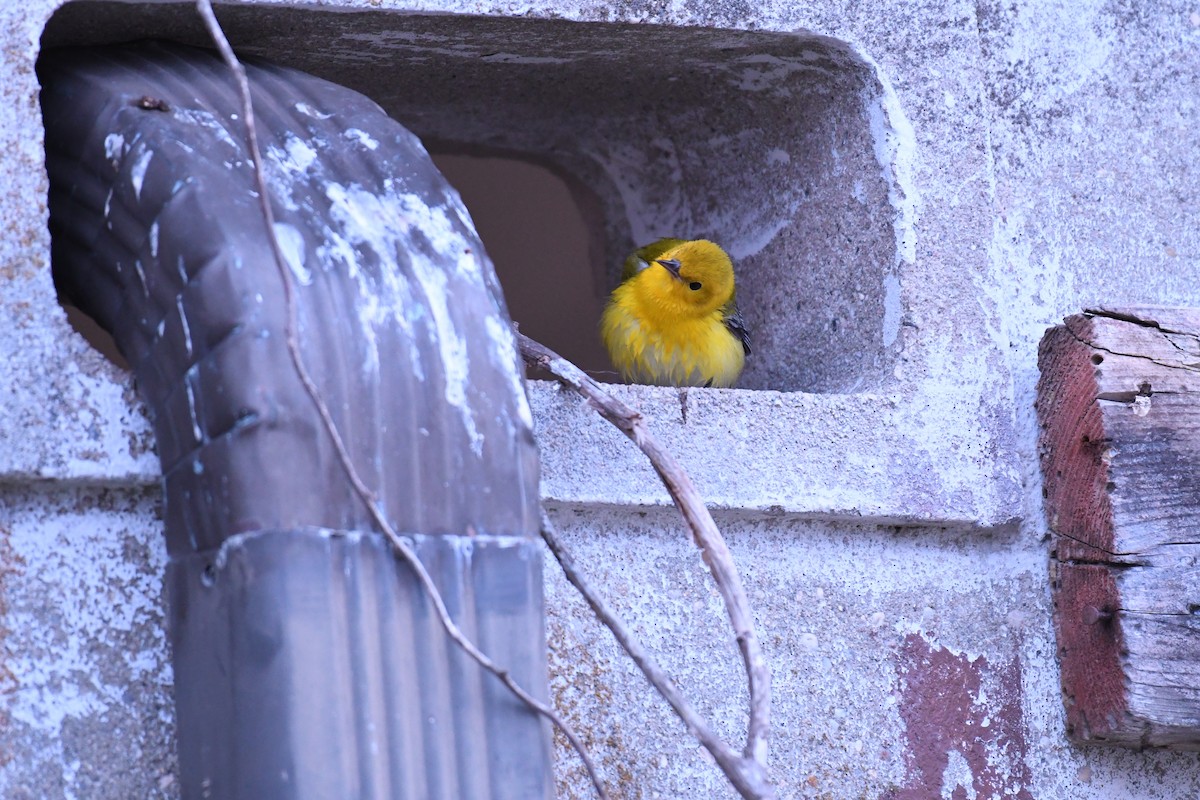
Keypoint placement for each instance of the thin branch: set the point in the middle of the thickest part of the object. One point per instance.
(399, 543)
(747, 773)
(745, 777)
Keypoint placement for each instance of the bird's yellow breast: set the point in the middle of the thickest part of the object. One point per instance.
(651, 342)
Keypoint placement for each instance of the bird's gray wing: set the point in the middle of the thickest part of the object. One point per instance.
(737, 326)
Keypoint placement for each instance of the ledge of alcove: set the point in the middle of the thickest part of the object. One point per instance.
(863, 457)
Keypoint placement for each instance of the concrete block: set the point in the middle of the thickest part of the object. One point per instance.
(942, 180)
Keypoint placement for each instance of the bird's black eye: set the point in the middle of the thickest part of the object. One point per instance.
(694, 286)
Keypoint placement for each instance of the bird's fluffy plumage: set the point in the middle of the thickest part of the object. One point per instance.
(673, 321)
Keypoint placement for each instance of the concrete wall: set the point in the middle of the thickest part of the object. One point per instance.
(941, 183)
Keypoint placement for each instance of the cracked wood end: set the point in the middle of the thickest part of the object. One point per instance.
(1118, 406)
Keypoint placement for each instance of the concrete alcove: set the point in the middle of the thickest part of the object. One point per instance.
(759, 140)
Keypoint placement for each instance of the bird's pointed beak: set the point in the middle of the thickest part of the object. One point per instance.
(671, 265)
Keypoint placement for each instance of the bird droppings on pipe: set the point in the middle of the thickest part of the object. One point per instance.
(291, 244)
(306, 109)
(137, 172)
(205, 119)
(114, 144)
(183, 323)
(504, 353)
(362, 137)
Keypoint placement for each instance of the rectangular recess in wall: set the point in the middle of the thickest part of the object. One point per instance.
(788, 148)
(760, 141)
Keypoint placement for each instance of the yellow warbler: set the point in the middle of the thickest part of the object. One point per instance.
(672, 321)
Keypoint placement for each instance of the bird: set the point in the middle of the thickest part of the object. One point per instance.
(673, 319)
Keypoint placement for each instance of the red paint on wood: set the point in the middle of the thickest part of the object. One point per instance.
(944, 710)
(1072, 445)
(1089, 650)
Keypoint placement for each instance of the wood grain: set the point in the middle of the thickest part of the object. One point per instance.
(1119, 410)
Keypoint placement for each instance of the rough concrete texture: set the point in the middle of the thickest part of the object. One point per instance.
(907, 663)
(87, 708)
(1028, 158)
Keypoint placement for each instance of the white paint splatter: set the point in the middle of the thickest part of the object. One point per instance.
(895, 151)
(191, 401)
(291, 244)
(895, 145)
(300, 154)
(504, 353)
(141, 273)
(957, 775)
(183, 323)
(288, 167)
(113, 145)
(388, 299)
(387, 221)
(858, 191)
(305, 108)
(456, 364)
(362, 137)
(206, 120)
(750, 240)
(137, 173)
(626, 166)
(892, 309)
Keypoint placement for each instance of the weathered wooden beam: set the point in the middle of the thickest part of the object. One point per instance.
(1119, 407)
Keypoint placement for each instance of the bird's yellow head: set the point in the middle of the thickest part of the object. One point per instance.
(691, 279)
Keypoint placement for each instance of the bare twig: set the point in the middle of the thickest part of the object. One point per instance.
(731, 763)
(399, 543)
(746, 772)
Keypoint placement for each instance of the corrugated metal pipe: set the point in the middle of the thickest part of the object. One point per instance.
(308, 662)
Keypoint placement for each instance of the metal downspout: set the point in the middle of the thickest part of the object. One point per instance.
(308, 663)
